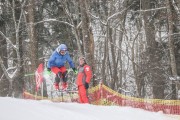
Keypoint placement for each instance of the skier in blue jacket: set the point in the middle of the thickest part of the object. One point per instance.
(56, 64)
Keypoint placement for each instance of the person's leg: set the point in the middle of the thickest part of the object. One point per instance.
(57, 80)
(64, 77)
(83, 94)
(58, 73)
(79, 94)
(64, 73)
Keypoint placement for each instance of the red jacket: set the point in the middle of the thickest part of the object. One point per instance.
(84, 75)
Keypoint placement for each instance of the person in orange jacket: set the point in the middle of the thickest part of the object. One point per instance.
(83, 79)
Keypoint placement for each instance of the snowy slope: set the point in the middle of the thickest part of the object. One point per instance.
(19, 109)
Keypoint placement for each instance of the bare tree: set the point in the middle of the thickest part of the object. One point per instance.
(3, 53)
(171, 45)
(13, 72)
(154, 68)
(33, 43)
(88, 40)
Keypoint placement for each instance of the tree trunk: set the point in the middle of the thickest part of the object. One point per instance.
(154, 68)
(3, 54)
(113, 59)
(88, 39)
(18, 82)
(171, 45)
(33, 45)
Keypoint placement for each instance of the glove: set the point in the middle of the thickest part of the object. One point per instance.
(75, 70)
(48, 71)
(86, 85)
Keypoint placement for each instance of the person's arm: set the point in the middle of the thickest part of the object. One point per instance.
(71, 63)
(88, 73)
(51, 60)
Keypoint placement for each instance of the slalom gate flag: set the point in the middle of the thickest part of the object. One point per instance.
(39, 76)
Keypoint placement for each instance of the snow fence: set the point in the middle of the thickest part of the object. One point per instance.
(103, 95)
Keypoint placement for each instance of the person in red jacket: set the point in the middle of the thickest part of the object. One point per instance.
(83, 79)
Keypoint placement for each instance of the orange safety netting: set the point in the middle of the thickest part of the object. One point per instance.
(102, 95)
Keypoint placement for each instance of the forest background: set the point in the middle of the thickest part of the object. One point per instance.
(133, 46)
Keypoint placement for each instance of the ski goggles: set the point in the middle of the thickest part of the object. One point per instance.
(62, 52)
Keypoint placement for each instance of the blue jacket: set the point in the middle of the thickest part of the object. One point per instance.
(58, 60)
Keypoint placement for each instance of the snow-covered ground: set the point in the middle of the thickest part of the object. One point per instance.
(19, 109)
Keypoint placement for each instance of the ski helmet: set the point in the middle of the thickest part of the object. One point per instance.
(61, 47)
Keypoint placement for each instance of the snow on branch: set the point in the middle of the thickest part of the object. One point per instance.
(116, 14)
(54, 20)
(150, 9)
(8, 41)
(112, 16)
(1, 77)
(97, 18)
(4, 69)
(173, 78)
(176, 7)
(9, 76)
